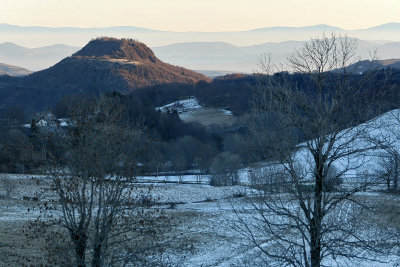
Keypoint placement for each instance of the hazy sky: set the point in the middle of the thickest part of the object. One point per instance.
(200, 15)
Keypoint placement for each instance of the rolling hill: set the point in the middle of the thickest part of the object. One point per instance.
(11, 70)
(364, 66)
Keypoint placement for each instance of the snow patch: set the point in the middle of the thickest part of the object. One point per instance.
(227, 112)
(182, 106)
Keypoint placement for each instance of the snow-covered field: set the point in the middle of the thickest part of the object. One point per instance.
(207, 218)
(191, 110)
(364, 145)
(182, 106)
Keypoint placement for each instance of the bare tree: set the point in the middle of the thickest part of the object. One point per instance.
(224, 169)
(93, 181)
(312, 127)
(389, 164)
(14, 116)
(389, 170)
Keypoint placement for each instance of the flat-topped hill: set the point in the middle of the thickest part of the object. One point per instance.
(104, 64)
(112, 48)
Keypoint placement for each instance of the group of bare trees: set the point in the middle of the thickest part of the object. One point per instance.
(315, 133)
(224, 169)
(12, 141)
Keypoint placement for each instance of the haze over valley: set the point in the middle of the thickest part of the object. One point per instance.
(218, 51)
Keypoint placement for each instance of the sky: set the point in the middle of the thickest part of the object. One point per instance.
(200, 15)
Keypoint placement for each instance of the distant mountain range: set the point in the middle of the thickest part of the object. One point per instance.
(34, 58)
(227, 57)
(209, 58)
(209, 52)
(36, 36)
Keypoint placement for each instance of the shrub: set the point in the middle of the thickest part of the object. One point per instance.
(8, 185)
(224, 169)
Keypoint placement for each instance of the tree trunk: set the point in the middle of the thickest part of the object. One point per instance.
(99, 250)
(315, 244)
(396, 173)
(315, 225)
(79, 241)
(97, 256)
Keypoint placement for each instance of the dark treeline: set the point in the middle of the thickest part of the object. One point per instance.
(233, 92)
(236, 92)
(175, 145)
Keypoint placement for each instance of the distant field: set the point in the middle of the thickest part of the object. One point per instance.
(190, 110)
(209, 116)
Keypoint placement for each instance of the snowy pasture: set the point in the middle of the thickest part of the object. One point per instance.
(190, 110)
(182, 106)
(207, 218)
